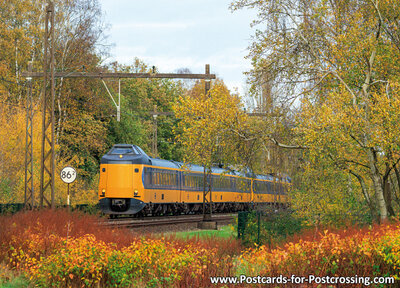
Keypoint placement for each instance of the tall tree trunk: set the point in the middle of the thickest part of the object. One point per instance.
(397, 173)
(377, 182)
(387, 193)
(365, 193)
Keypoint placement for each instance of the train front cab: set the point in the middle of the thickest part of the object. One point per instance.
(121, 185)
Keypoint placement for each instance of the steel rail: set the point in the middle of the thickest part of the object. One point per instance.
(134, 223)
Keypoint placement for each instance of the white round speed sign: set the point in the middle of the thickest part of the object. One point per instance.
(68, 174)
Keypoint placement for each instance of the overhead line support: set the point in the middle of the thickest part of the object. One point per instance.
(207, 191)
(100, 75)
(47, 164)
(29, 194)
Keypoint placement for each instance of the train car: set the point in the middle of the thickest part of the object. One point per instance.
(133, 183)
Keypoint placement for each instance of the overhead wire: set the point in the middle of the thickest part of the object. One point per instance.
(24, 84)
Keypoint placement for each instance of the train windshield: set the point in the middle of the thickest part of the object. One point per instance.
(124, 150)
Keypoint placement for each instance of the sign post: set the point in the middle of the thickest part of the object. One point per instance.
(68, 175)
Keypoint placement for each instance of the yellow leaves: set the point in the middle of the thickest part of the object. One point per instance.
(339, 125)
(12, 147)
(207, 122)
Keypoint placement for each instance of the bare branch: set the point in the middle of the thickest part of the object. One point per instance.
(286, 146)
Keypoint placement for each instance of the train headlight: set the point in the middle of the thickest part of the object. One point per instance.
(103, 193)
(135, 193)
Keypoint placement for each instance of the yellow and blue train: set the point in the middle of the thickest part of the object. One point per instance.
(133, 183)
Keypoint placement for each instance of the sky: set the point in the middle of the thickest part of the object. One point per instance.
(178, 34)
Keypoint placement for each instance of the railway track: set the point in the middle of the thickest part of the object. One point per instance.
(162, 221)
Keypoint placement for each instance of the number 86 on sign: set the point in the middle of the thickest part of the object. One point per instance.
(68, 174)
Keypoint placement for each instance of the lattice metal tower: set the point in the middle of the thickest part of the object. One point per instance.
(47, 154)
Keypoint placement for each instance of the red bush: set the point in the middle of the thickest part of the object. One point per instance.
(15, 228)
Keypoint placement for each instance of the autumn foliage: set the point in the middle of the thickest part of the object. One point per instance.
(61, 249)
(369, 252)
(207, 125)
(334, 65)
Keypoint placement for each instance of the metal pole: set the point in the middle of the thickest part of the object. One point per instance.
(53, 92)
(47, 165)
(207, 80)
(207, 91)
(155, 150)
(259, 223)
(68, 196)
(207, 203)
(29, 197)
(119, 101)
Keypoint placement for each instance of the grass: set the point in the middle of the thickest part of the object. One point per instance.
(17, 282)
(11, 279)
(224, 232)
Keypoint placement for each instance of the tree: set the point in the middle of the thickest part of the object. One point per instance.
(207, 125)
(78, 31)
(20, 33)
(342, 58)
(138, 98)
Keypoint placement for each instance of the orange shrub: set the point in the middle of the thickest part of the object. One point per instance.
(61, 249)
(363, 252)
(16, 229)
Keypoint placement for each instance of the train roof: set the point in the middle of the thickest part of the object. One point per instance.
(264, 177)
(164, 163)
(125, 154)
